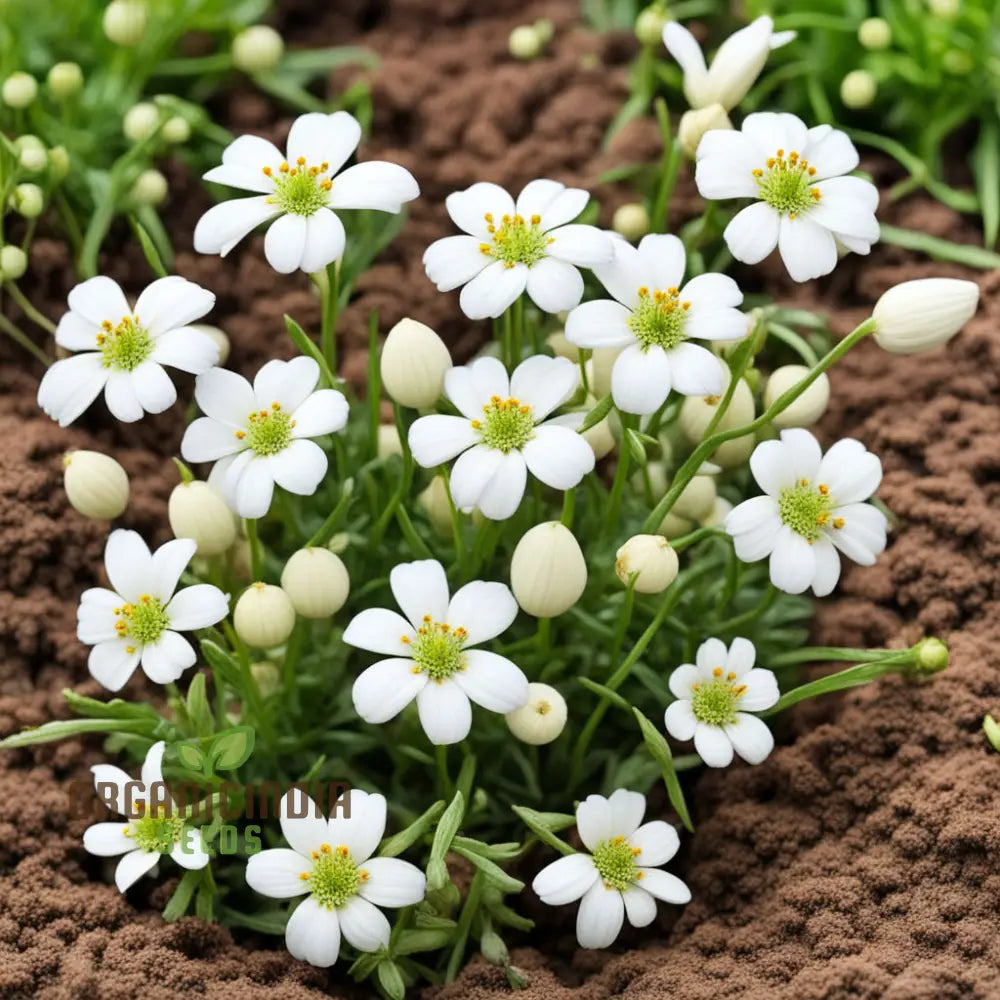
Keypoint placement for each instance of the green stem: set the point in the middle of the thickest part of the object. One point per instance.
(738, 621)
(28, 309)
(330, 304)
(256, 553)
(21, 338)
(618, 484)
(441, 759)
(569, 508)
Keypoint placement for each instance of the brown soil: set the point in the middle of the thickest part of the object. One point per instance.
(861, 861)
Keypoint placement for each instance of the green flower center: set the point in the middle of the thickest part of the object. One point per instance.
(515, 241)
(157, 832)
(334, 877)
(787, 184)
(615, 862)
(658, 319)
(806, 510)
(268, 431)
(145, 621)
(507, 424)
(124, 347)
(715, 702)
(437, 649)
(300, 190)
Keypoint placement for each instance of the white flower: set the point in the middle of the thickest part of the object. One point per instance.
(123, 349)
(259, 435)
(140, 619)
(153, 825)
(735, 67)
(512, 248)
(299, 192)
(713, 699)
(325, 860)
(654, 319)
(812, 507)
(804, 205)
(430, 652)
(499, 438)
(923, 313)
(621, 876)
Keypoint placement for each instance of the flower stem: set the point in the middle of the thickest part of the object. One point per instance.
(441, 758)
(28, 309)
(256, 554)
(23, 340)
(569, 508)
(621, 475)
(330, 304)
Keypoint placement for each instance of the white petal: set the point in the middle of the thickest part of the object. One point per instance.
(753, 514)
(679, 720)
(197, 607)
(683, 679)
(741, 657)
(581, 245)
(361, 825)
(640, 906)
(320, 138)
(112, 783)
(172, 302)
(595, 821)
(313, 934)
(99, 299)
(770, 131)
(186, 348)
(738, 62)
(695, 371)
(454, 260)
(166, 659)
(851, 471)
(862, 535)
(276, 873)
(554, 285)
(493, 290)
(544, 383)
(364, 926)
(640, 380)
(663, 260)
(802, 453)
(299, 468)
(807, 249)
(166, 565)
(726, 161)
(472, 473)
(207, 440)
(600, 917)
(252, 151)
(188, 851)
(624, 274)
(753, 233)
(761, 690)
(665, 886)
(566, 880)
(246, 178)
(627, 808)
(153, 388)
(684, 47)
(445, 712)
(657, 841)
(502, 495)
(253, 487)
(288, 383)
(420, 588)
(302, 823)
(710, 293)
(96, 617)
(774, 471)
(324, 242)
(484, 610)
(107, 840)
(128, 563)
(847, 205)
(70, 386)
(379, 631)
(468, 208)
(121, 397)
(750, 737)
(713, 745)
(285, 243)
(225, 396)
(553, 202)
(385, 689)
(492, 681)
(437, 438)
(471, 386)
(602, 323)
(111, 665)
(324, 412)
(830, 151)
(793, 564)
(132, 867)
(558, 457)
(712, 655)
(827, 571)
(393, 882)
(225, 224)
(374, 184)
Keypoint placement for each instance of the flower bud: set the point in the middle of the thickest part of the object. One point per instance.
(13, 262)
(525, 42)
(141, 121)
(698, 411)
(917, 315)
(541, 719)
(316, 582)
(388, 443)
(652, 558)
(413, 363)
(548, 573)
(602, 360)
(150, 187)
(33, 159)
(239, 560)
(696, 122)
(19, 90)
(65, 80)
(958, 62)
(96, 485)
(858, 89)
(257, 49)
(720, 510)
(673, 526)
(217, 335)
(176, 130)
(267, 677)
(697, 498)
(631, 221)
(944, 8)
(932, 655)
(125, 21)
(58, 162)
(992, 731)
(805, 410)
(874, 33)
(649, 26)
(545, 30)
(196, 511)
(264, 616)
(434, 500)
(562, 348)
(28, 200)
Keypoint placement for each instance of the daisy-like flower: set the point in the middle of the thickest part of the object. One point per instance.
(153, 825)
(123, 349)
(804, 205)
(714, 695)
(735, 67)
(300, 191)
(511, 248)
(499, 436)
(621, 876)
(332, 861)
(654, 318)
(813, 506)
(259, 435)
(431, 654)
(141, 618)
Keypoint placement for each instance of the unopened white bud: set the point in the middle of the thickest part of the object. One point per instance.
(96, 485)
(548, 573)
(316, 582)
(945, 8)
(524, 42)
(696, 122)
(239, 559)
(541, 719)
(561, 347)
(140, 121)
(808, 407)
(413, 363)
(176, 130)
(196, 511)
(698, 411)
(673, 526)
(218, 336)
(19, 90)
(33, 159)
(125, 21)
(388, 441)
(257, 49)
(631, 221)
(64, 80)
(858, 89)
(13, 262)
(874, 33)
(917, 315)
(267, 677)
(696, 499)
(58, 162)
(434, 501)
(150, 187)
(652, 558)
(264, 616)
(602, 360)
(545, 30)
(720, 511)
(27, 200)
(649, 26)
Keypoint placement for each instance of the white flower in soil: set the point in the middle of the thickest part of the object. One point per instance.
(123, 348)
(736, 65)
(140, 619)
(813, 506)
(621, 876)
(300, 191)
(653, 319)
(330, 863)
(714, 695)
(499, 436)
(511, 248)
(153, 825)
(804, 205)
(259, 435)
(430, 652)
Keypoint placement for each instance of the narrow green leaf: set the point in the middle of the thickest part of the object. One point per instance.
(545, 825)
(413, 941)
(939, 249)
(597, 414)
(149, 250)
(224, 665)
(74, 727)
(659, 748)
(198, 709)
(635, 446)
(114, 709)
(393, 846)
(315, 61)
(493, 873)
(301, 340)
(605, 692)
(183, 894)
(448, 826)
(496, 852)
(986, 167)
(391, 980)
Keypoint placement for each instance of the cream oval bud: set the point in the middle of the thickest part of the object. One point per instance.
(264, 616)
(27, 200)
(858, 89)
(176, 130)
(267, 677)
(524, 42)
(58, 162)
(602, 360)
(434, 501)
(13, 262)
(64, 80)
(257, 49)
(413, 363)
(562, 348)
(874, 33)
(388, 443)
(96, 485)
(917, 315)
(217, 335)
(124, 21)
(631, 221)
(19, 90)
(649, 26)
(697, 498)
(541, 719)
(696, 122)
(652, 558)
(150, 187)
(697, 412)
(196, 511)
(316, 581)
(34, 159)
(140, 121)
(239, 560)
(673, 526)
(809, 407)
(548, 573)
(720, 510)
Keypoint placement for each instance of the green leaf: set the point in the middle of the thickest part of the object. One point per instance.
(605, 692)
(74, 727)
(114, 709)
(497, 852)
(301, 340)
(658, 747)
(448, 826)
(494, 874)
(939, 249)
(198, 709)
(545, 825)
(597, 414)
(412, 941)
(504, 915)
(149, 250)
(222, 663)
(314, 61)
(986, 167)
(232, 747)
(391, 980)
(635, 445)
(181, 899)
(393, 846)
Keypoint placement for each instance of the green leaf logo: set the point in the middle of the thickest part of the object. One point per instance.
(191, 756)
(232, 747)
